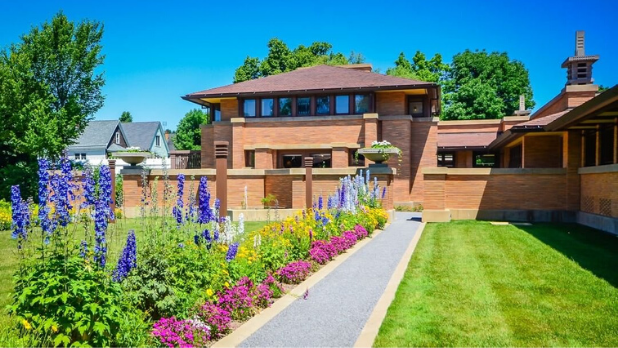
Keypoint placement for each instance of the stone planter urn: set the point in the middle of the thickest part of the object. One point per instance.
(132, 158)
(378, 155)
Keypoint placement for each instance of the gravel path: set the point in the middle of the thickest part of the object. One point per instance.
(338, 307)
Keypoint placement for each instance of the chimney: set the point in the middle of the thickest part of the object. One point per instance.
(167, 135)
(522, 107)
(579, 66)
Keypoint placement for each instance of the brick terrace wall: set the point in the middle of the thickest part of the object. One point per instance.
(288, 188)
(599, 194)
(391, 103)
(399, 133)
(526, 191)
(542, 152)
(208, 146)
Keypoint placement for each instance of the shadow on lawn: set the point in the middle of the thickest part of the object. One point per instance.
(592, 249)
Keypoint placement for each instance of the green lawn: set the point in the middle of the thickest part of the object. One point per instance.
(470, 283)
(116, 236)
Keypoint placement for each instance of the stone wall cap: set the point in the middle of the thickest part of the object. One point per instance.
(608, 168)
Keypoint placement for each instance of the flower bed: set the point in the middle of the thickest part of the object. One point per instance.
(188, 281)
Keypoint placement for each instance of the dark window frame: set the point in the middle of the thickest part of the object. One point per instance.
(250, 158)
(423, 99)
(302, 154)
(441, 159)
(481, 153)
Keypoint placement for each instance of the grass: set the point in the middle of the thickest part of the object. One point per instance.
(116, 236)
(471, 283)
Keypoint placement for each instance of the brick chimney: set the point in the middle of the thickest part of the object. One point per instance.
(522, 107)
(579, 66)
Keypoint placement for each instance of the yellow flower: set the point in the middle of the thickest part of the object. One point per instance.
(209, 292)
(227, 285)
(54, 328)
(26, 324)
(249, 262)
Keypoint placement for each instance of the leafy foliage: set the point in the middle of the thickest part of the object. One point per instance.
(481, 85)
(126, 117)
(281, 59)
(188, 134)
(420, 68)
(48, 92)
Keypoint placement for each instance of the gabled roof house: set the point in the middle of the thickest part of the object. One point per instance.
(147, 136)
(99, 138)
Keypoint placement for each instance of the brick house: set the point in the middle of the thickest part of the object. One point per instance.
(550, 165)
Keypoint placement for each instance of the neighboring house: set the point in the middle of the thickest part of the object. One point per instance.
(559, 164)
(99, 138)
(148, 136)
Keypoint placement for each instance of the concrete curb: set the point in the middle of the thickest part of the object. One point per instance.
(252, 325)
(372, 327)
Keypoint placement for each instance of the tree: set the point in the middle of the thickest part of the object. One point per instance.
(188, 134)
(49, 90)
(126, 117)
(420, 68)
(281, 59)
(482, 85)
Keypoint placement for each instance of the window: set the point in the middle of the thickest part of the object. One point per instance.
(485, 160)
(217, 112)
(446, 159)
(321, 160)
(267, 107)
(322, 105)
(285, 106)
(292, 160)
(607, 145)
(342, 104)
(356, 160)
(117, 137)
(361, 103)
(303, 106)
(76, 156)
(158, 140)
(415, 108)
(250, 158)
(83, 156)
(249, 108)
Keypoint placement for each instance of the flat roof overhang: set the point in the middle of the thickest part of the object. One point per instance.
(602, 109)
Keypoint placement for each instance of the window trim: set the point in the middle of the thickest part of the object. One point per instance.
(342, 113)
(157, 140)
(118, 137)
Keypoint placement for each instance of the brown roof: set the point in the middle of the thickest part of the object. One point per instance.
(321, 77)
(540, 122)
(465, 140)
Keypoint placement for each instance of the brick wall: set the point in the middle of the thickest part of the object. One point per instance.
(599, 194)
(229, 109)
(496, 192)
(208, 146)
(399, 133)
(542, 152)
(391, 103)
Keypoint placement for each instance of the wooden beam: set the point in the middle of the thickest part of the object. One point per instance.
(565, 150)
(616, 140)
(609, 113)
(523, 152)
(597, 150)
(596, 120)
(583, 161)
(582, 127)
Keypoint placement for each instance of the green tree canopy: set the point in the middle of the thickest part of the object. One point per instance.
(420, 68)
(188, 134)
(49, 90)
(482, 85)
(126, 117)
(281, 59)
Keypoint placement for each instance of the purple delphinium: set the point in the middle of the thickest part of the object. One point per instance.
(100, 227)
(294, 272)
(383, 192)
(206, 236)
(47, 224)
(20, 215)
(60, 184)
(128, 259)
(89, 189)
(320, 203)
(204, 212)
(177, 210)
(105, 190)
(231, 252)
(83, 249)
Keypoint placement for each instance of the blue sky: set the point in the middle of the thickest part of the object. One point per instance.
(158, 51)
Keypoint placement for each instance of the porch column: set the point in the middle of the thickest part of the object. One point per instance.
(523, 151)
(221, 154)
(615, 140)
(308, 182)
(597, 150)
(583, 161)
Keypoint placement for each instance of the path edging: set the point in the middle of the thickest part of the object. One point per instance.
(372, 326)
(243, 332)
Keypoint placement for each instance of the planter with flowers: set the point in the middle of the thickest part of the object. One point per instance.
(133, 155)
(380, 151)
